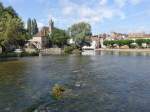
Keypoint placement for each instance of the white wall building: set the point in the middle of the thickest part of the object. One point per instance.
(40, 40)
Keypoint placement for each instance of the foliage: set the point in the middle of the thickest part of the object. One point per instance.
(140, 41)
(127, 42)
(109, 42)
(32, 27)
(118, 42)
(29, 27)
(80, 32)
(69, 49)
(9, 54)
(58, 37)
(13, 54)
(23, 54)
(12, 31)
(57, 91)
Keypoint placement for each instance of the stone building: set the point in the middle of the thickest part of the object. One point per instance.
(141, 35)
(99, 40)
(40, 40)
(118, 36)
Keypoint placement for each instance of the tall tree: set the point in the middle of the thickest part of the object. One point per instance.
(11, 11)
(35, 27)
(32, 27)
(29, 27)
(12, 31)
(80, 32)
(59, 37)
(1, 7)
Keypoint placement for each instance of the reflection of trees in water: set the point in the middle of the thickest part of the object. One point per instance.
(123, 53)
(11, 84)
(11, 72)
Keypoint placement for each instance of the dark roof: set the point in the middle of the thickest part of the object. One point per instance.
(43, 32)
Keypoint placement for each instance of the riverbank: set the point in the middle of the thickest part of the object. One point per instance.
(126, 50)
(13, 54)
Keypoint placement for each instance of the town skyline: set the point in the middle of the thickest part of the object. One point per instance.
(105, 16)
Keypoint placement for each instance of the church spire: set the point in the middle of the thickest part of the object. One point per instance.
(51, 26)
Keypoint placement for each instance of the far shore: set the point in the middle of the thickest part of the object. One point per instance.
(127, 50)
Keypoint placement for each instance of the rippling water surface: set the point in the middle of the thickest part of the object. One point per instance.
(105, 82)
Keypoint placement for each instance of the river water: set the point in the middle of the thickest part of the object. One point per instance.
(103, 82)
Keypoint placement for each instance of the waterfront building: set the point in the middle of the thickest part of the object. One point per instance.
(141, 35)
(118, 36)
(40, 40)
(98, 39)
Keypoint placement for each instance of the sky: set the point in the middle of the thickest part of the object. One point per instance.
(124, 16)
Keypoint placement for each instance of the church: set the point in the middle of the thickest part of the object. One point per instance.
(40, 40)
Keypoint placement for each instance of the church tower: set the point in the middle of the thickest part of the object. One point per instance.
(51, 26)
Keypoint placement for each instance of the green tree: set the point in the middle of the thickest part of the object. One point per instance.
(58, 37)
(80, 32)
(32, 27)
(29, 27)
(140, 41)
(11, 11)
(12, 31)
(118, 42)
(1, 8)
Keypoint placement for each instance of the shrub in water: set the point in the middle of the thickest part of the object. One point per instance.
(57, 91)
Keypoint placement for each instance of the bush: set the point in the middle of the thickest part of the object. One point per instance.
(13, 54)
(23, 54)
(118, 42)
(69, 49)
(140, 41)
(57, 91)
(8, 54)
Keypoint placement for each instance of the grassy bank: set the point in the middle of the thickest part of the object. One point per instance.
(13, 54)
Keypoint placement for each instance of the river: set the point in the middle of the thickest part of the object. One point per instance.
(103, 82)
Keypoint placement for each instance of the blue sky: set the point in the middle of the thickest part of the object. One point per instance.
(104, 15)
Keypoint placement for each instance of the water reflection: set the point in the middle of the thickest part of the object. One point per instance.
(106, 82)
(123, 53)
(88, 52)
(11, 84)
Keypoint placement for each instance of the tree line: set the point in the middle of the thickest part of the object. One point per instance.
(13, 33)
(130, 43)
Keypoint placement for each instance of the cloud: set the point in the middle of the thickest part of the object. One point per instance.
(95, 14)
(103, 2)
(122, 3)
(135, 2)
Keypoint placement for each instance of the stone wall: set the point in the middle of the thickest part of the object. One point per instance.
(30, 50)
(52, 51)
